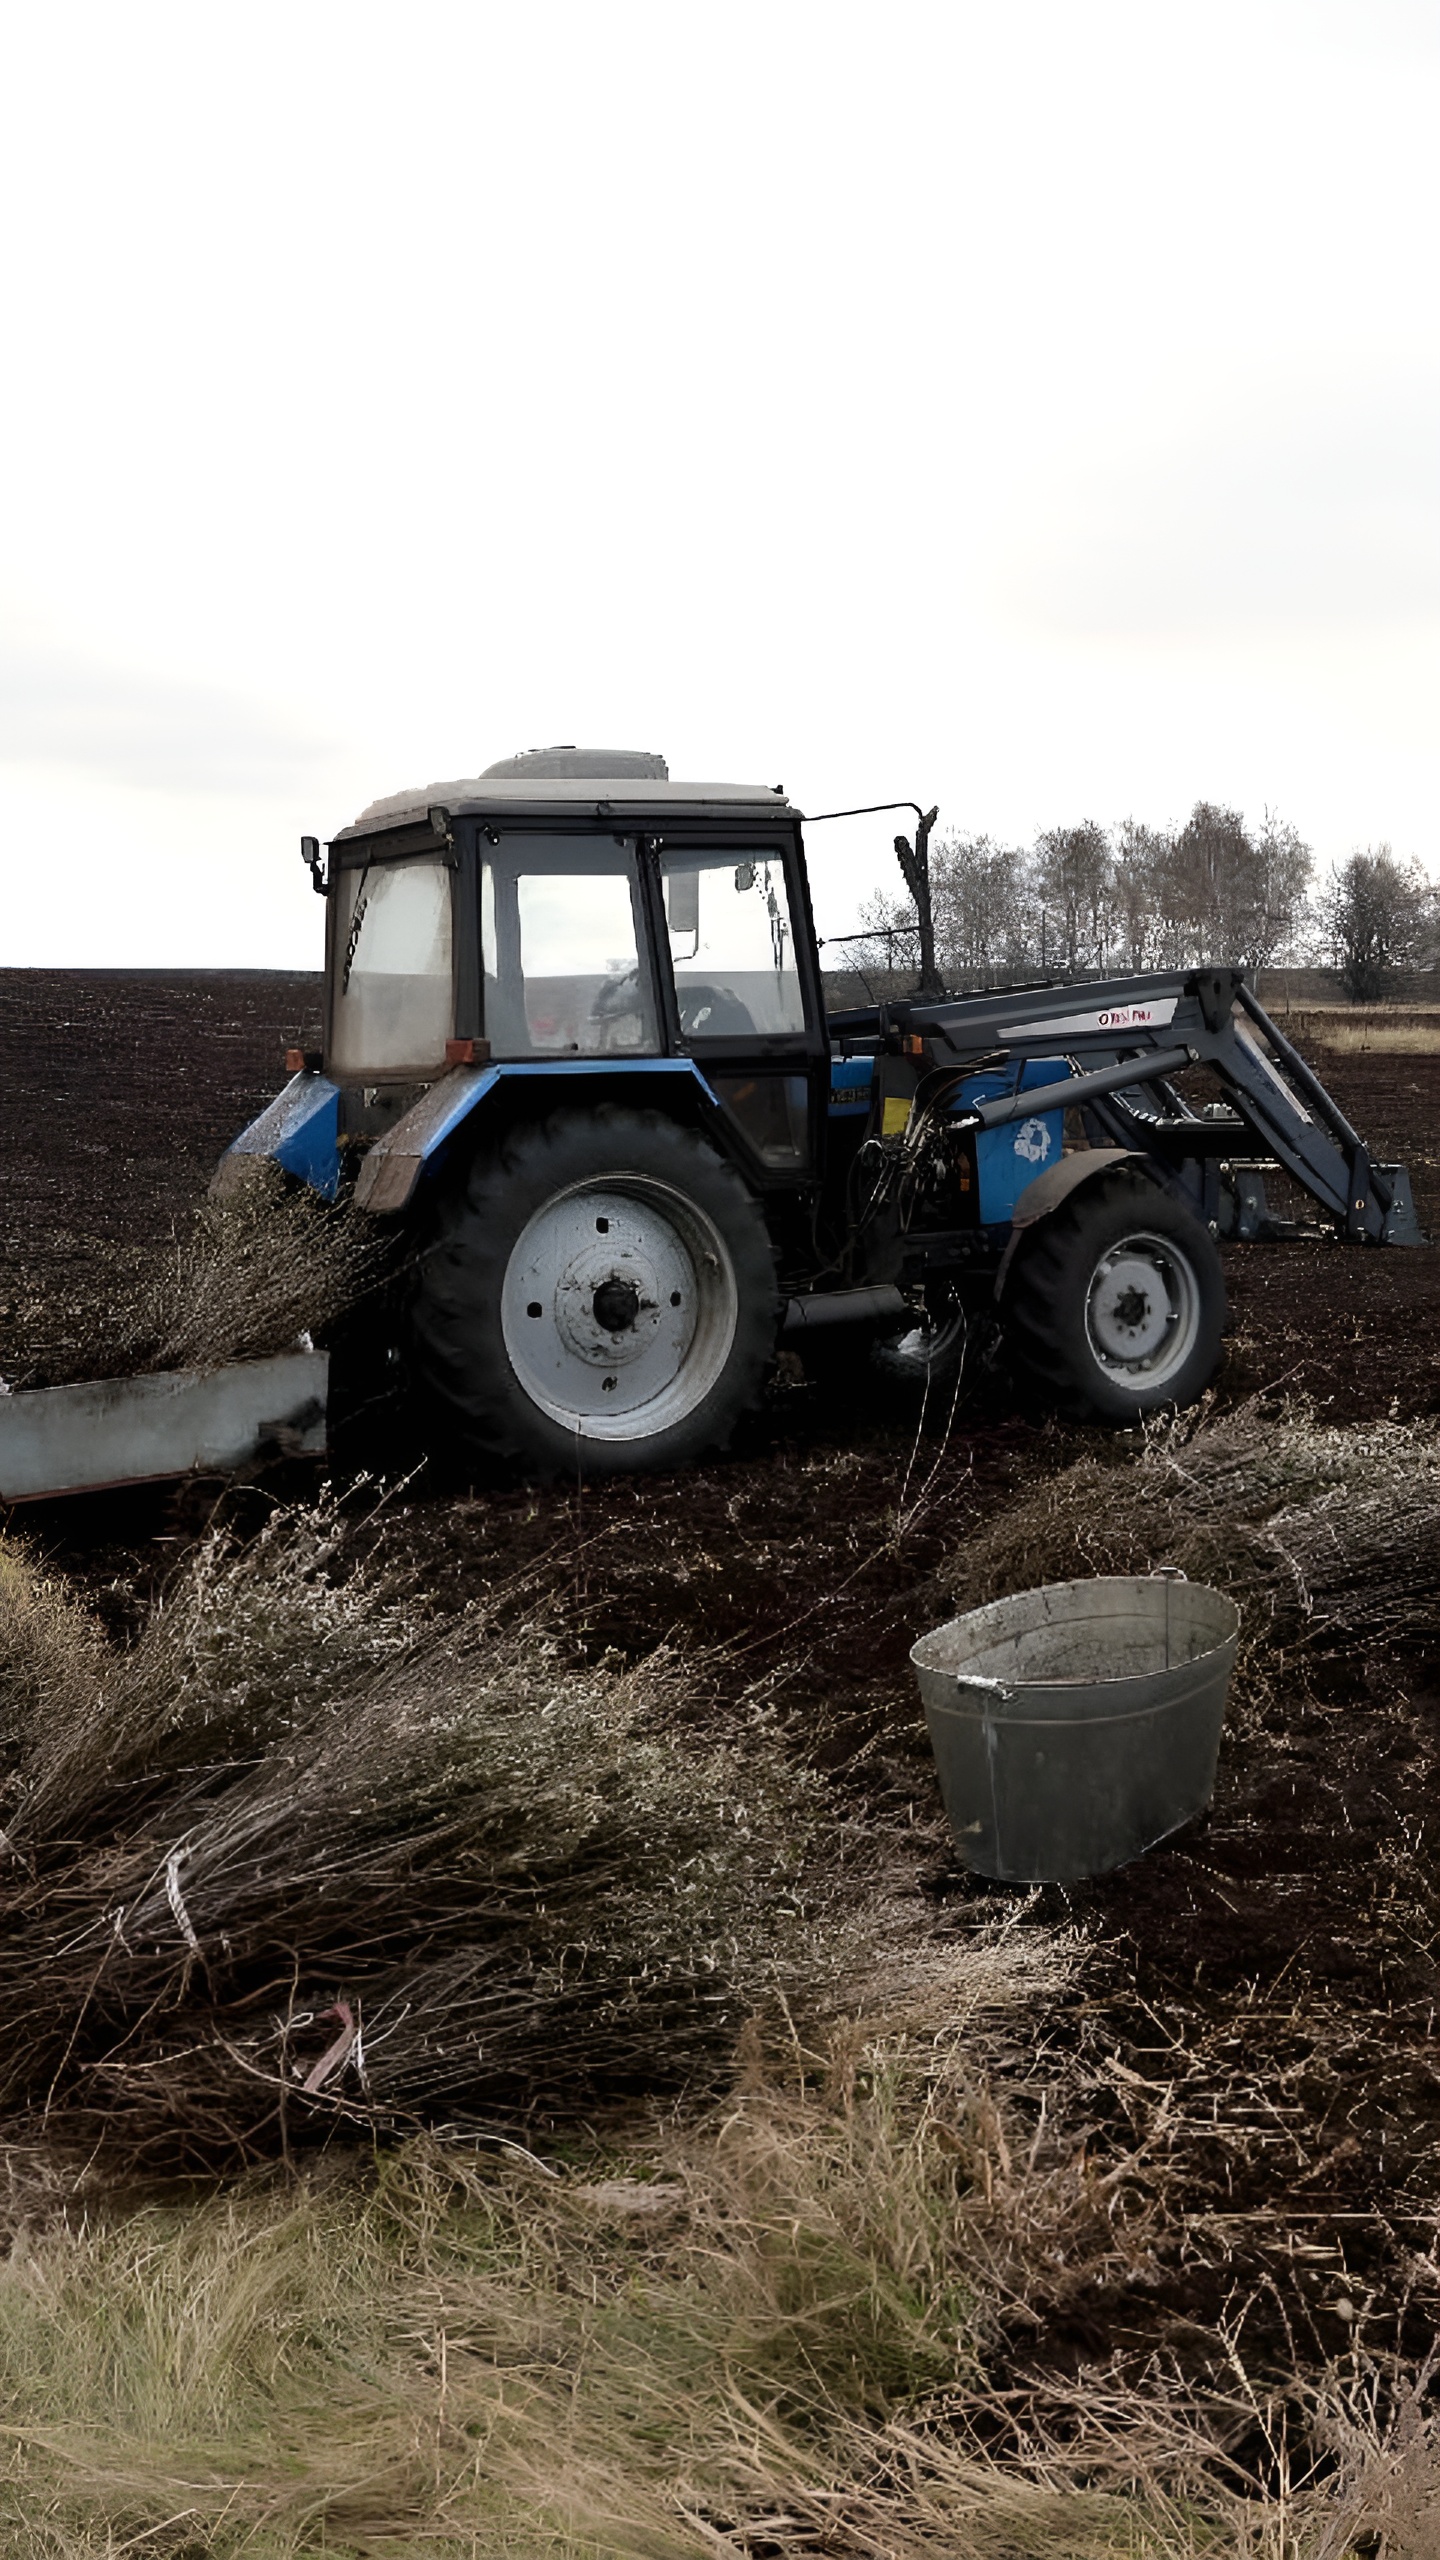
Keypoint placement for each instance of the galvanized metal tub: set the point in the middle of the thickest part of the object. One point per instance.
(1076, 1725)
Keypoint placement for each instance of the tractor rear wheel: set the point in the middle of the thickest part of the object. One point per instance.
(1116, 1302)
(599, 1295)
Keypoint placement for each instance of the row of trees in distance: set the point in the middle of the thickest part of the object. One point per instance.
(1086, 899)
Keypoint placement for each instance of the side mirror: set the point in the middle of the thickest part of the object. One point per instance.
(310, 856)
(682, 901)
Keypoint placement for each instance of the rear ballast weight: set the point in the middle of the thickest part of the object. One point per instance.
(576, 1046)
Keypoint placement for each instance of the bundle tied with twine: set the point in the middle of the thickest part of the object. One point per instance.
(302, 1852)
(1327, 1535)
(257, 1267)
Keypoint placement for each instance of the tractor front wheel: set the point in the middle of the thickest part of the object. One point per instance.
(599, 1295)
(1116, 1301)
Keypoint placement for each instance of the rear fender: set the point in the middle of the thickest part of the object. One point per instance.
(1042, 1197)
(395, 1165)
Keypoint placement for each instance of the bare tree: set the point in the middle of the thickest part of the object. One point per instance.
(1143, 856)
(1271, 904)
(1074, 873)
(981, 911)
(1081, 900)
(1376, 916)
(885, 954)
(1208, 858)
(1224, 894)
(980, 908)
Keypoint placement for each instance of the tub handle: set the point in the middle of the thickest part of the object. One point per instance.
(1168, 1573)
(977, 1680)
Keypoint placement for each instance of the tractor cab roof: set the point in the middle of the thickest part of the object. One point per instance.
(571, 779)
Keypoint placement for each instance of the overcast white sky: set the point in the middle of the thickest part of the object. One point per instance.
(1032, 407)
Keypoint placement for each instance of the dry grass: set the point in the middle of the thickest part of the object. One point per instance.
(764, 2335)
(1380, 1039)
(257, 1268)
(1387, 1030)
(788, 2320)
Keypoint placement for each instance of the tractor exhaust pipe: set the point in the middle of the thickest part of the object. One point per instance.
(880, 1305)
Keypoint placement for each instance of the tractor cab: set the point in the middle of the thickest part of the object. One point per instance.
(569, 910)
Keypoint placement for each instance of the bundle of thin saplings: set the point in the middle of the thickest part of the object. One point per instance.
(1328, 1535)
(301, 1854)
(258, 1267)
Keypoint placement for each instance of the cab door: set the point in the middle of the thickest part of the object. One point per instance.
(744, 1004)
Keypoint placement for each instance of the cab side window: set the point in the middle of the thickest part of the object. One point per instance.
(732, 946)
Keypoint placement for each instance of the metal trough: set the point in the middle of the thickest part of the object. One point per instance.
(118, 1431)
(1075, 1726)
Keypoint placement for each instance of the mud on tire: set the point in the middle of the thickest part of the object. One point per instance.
(1116, 1303)
(598, 1293)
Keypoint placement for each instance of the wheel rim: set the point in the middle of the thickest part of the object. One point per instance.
(1142, 1311)
(619, 1308)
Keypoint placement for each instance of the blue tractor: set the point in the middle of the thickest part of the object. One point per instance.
(576, 1048)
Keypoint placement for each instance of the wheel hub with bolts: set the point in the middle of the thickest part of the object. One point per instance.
(1143, 1309)
(617, 1304)
(619, 1308)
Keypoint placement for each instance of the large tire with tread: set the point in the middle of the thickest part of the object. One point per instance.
(598, 1294)
(1116, 1303)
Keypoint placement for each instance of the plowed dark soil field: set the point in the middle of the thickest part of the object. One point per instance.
(119, 1088)
(1294, 1937)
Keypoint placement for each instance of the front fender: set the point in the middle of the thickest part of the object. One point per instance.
(299, 1131)
(1045, 1194)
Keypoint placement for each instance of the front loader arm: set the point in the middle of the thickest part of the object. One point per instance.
(1126, 1037)
(1290, 1115)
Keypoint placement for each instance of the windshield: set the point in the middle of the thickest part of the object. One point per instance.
(393, 1004)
